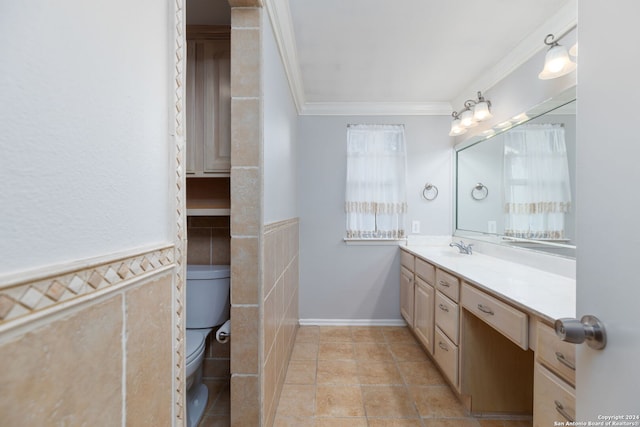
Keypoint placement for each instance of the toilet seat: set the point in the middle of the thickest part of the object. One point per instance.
(195, 345)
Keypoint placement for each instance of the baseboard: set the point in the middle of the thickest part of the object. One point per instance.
(352, 322)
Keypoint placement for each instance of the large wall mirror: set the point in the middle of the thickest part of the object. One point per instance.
(515, 184)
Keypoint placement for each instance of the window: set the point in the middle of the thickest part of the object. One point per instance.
(376, 195)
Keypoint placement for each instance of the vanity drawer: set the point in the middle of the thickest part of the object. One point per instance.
(446, 354)
(448, 284)
(559, 356)
(407, 260)
(426, 271)
(554, 399)
(510, 322)
(448, 317)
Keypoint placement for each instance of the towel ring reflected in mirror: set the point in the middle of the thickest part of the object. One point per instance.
(430, 191)
(479, 192)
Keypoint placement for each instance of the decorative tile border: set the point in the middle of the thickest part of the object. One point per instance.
(179, 399)
(33, 295)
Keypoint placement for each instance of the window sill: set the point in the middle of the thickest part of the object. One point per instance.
(375, 242)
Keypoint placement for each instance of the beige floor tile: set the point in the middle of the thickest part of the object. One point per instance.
(301, 372)
(308, 334)
(398, 334)
(373, 352)
(220, 403)
(451, 422)
(436, 401)
(518, 423)
(297, 401)
(335, 351)
(420, 373)
(304, 351)
(337, 372)
(379, 373)
(491, 423)
(388, 401)
(339, 401)
(215, 421)
(408, 352)
(341, 422)
(367, 334)
(335, 334)
(281, 421)
(393, 422)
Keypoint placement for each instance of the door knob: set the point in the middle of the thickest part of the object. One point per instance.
(575, 331)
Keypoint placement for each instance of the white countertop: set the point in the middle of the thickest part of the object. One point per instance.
(547, 295)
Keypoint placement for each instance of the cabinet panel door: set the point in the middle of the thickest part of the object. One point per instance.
(406, 295)
(423, 313)
(217, 107)
(193, 139)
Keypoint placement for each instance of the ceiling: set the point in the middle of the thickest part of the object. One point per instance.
(404, 56)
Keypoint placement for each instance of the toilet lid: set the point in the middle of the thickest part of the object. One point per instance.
(195, 344)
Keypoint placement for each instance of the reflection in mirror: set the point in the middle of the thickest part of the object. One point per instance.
(517, 186)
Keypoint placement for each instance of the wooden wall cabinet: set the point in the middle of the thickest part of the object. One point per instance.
(208, 99)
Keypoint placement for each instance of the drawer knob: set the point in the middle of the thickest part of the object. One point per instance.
(564, 361)
(445, 284)
(443, 307)
(443, 346)
(575, 331)
(484, 309)
(562, 411)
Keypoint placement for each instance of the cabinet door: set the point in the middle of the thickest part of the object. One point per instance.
(423, 313)
(406, 295)
(208, 101)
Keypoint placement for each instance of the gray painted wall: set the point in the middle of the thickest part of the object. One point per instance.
(279, 144)
(339, 281)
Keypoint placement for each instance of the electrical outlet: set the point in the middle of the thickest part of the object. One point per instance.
(415, 227)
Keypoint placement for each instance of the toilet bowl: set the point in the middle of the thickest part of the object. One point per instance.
(207, 306)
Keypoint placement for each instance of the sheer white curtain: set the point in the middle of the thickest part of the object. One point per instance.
(536, 179)
(376, 194)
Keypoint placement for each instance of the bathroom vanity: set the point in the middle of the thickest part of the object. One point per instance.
(487, 323)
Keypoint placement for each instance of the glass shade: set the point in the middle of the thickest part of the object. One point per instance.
(467, 120)
(574, 50)
(481, 111)
(556, 63)
(456, 128)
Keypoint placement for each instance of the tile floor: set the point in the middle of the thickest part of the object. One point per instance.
(359, 377)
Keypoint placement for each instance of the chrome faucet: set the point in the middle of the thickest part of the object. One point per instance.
(464, 249)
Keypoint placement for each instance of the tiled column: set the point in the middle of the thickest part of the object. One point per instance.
(246, 212)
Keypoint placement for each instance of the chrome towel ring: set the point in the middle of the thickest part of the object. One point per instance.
(430, 191)
(479, 191)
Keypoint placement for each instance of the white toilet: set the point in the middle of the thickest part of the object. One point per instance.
(207, 307)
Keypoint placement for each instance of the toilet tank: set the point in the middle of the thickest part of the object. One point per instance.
(207, 295)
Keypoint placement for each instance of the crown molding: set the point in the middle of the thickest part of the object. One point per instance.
(376, 109)
(282, 24)
(559, 23)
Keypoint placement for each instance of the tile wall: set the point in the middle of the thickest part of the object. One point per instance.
(280, 313)
(73, 366)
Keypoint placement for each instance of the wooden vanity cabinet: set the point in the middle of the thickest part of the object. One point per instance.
(447, 322)
(554, 379)
(407, 273)
(424, 295)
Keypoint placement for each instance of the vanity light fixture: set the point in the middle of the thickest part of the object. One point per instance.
(474, 111)
(556, 62)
